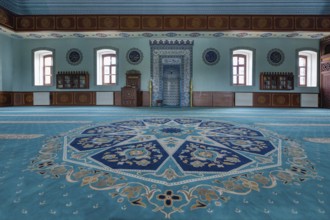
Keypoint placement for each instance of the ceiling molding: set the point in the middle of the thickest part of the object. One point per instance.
(163, 7)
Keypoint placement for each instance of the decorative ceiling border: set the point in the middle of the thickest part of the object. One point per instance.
(34, 23)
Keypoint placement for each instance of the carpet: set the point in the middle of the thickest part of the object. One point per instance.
(158, 163)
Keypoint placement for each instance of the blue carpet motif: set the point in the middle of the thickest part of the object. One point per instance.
(173, 165)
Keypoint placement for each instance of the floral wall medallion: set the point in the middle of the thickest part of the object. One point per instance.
(211, 56)
(74, 56)
(134, 56)
(275, 57)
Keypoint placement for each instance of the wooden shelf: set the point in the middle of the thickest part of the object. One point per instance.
(72, 80)
(276, 81)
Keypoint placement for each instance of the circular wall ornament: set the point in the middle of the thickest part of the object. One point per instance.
(211, 56)
(134, 56)
(74, 56)
(275, 57)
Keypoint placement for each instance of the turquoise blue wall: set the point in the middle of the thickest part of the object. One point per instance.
(6, 62)
(205, 77)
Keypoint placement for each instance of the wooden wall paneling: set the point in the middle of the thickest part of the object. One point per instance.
(7, 19)
(240, 22)
(325, 90)
(196, 22)
(23, 98)
(84, 98)
(174, 22)
(145, 98)
(322, 23)
(6, 98)
(87, 23)
(152, 22)
(62, 98)
(223, 99)
(262, 22)
(118, 98)
(284, 23)
(281, 100)
(130, 22)
(45, 23)
(25, 23)
(262, 99)
(218, 22)
(305, 23)
(66, 23)
(108, 22)
(202, 99)
(295, 100)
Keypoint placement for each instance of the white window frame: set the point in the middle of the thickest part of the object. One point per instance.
(99, 67)
(249, 66)
(39, 67)
(311, 75)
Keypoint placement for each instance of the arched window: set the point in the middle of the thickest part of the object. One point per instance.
(242, 64)
(307, 68)
(106, 64)
(43, 67)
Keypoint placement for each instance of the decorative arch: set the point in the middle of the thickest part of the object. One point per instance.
(167, 55)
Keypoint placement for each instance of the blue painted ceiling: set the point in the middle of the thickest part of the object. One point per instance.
(194, 7)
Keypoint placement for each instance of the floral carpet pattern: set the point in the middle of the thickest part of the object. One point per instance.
(174, 165)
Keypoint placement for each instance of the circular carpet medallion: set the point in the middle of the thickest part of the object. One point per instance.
(171, 165)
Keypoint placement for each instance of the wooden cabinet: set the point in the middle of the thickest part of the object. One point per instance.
(131, 94)
(276, 81)
(72, 80)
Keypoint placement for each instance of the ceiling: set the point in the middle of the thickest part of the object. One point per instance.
(233, 7)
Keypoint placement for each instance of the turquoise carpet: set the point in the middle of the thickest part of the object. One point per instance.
(164, 163)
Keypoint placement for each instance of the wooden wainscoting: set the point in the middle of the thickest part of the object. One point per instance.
(6, 99)
(23, 98)
(73, 98)
(145, 99)
(276, 99)
(213, 99)
(118, 98)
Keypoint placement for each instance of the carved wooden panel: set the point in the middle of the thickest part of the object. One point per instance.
(23, 98)
(84, 98)
(7, 18)
(152, 22)
(45, 22)
(284, 23)
(145, 98)
(196, 22)
(240, 22)
(130, 22)
(174, 22)
(325, 90)
(218, 22)
(262, 22)
(24, 23)
(66, 23)
(281, 99)
(262, 99)
(117, 98)
(6, 99)
(86, 22)
(305, 23)
(108, 22)
(223, 99)
(62, 98)
(202, 99)
(323, 23)
(295, 100)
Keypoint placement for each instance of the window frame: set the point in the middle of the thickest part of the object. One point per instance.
(39, 55)
(237, 75)
(312, 67)
(100, 54)
(250, 60)
(300, 67)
